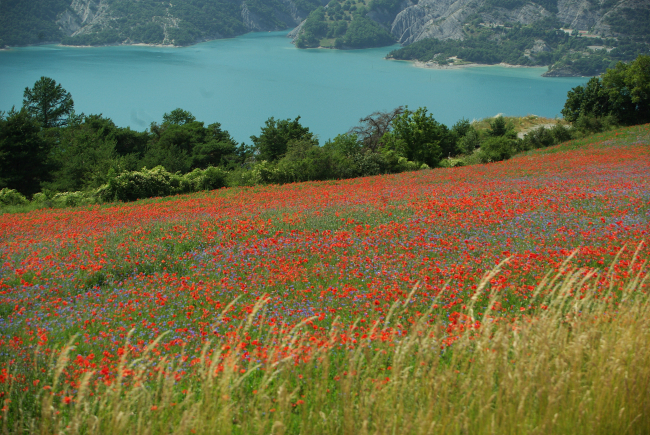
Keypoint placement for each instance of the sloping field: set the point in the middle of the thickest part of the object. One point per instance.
(501, 298)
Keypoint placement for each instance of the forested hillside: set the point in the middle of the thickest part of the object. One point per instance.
(572, 37)
(181, 22)
(30, 22)
(538, 44)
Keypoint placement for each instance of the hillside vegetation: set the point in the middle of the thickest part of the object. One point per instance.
(343, 25)
(573, 39)
(181, 22)
(539, 44)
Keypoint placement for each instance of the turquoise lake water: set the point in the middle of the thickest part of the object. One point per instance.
(243, 81)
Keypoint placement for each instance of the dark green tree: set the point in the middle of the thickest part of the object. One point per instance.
(305, 161)
(627, 87)
(171, 145)
(181, 143)
(424, 139)
(587, 100)
(84, 156)
(623, 92)
(219, 149)
(500, 127)
(23, 153)
(272, 143)
(637, 79)
(48, 102)
(178, 117)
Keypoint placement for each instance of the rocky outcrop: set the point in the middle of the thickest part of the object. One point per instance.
(251, 21)
(577, 14)
(69, 23)
(444, 19)
(561, 72)
(84, 16)
(90, 16)
(539, 47)
(296, 31)
(441, 19)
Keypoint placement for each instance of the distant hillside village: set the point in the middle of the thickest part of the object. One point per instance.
(571, 37)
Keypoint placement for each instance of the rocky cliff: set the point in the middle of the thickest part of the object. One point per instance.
(444, 19)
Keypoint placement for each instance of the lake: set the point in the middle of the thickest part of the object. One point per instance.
(243, 81)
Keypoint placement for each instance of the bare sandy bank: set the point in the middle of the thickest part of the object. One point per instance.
(434, 65)
(139, 44)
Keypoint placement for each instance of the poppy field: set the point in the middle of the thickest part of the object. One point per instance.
(314, 307)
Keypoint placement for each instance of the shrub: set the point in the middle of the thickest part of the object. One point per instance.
(539, 138)
(73, 199)
(241, 177)
(561, 133)
(451, 163)
(497, 148)
(587, 124)
(146, 183)
(469, 142)
(206, 179)
(12, 197)
(370, 163)
(41, 198)
(265, 173)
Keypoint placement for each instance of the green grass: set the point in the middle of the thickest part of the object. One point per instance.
(573, 368)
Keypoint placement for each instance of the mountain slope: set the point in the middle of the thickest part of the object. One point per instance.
(577, 37)
(181, 22)
(444, 19)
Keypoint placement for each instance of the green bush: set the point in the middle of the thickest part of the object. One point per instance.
(42, 199)
(73, 199)
(587, 124)
(539, 138)
(497, 148)
(451, 163)
(265, 172)
(12, 197)
(241, 177)
(561, 133)
(206, 179)
(146, 183)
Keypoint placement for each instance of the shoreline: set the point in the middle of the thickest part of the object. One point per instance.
(433, 65)
(139, 44)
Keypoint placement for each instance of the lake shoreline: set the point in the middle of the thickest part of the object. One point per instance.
(433, 65)
(139, 44)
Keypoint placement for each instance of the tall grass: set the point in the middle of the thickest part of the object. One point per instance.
(577, 364)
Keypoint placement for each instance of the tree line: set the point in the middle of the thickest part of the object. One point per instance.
(57, 157)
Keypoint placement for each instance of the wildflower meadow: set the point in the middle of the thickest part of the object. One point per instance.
(508, 297)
